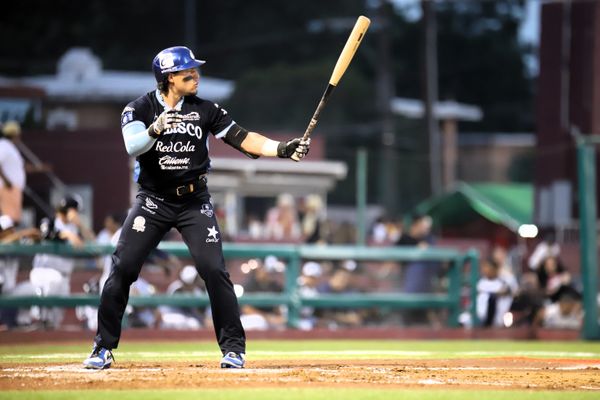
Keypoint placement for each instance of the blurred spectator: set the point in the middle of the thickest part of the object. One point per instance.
(419, 276)
(308, 282)
(565, 313)
(142, 317)
(164, 261)
(505, 269)
(552, 276)
(379, 233)
(255, 227)
(51, 274)
(345, 233)
(12, 176)
(341, 281)
(107, 260)
(112, 223)
(109, 235)
(88, 315)
(386, 230)
(528, 300)
(13, 234)
(548, 247)
(313, 226)
(282, 220)
(394, 229)
(494, 296)
(263, 278)
(9, 269)
(182, 318)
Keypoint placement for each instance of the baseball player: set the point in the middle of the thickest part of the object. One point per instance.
(167, 131)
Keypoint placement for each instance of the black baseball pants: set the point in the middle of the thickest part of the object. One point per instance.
(150, 218)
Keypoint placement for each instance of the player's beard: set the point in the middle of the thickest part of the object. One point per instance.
(193, 91)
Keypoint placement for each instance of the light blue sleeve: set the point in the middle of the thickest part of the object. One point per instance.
(137, 140)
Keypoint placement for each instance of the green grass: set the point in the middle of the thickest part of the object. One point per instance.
(322, 349)
(297, 394)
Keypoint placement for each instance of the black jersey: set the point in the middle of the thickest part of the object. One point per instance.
(180, 154)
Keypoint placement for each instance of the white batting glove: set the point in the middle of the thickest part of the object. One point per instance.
(302, 150)
(167, 120)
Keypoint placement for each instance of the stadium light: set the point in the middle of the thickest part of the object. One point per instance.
(528, 231)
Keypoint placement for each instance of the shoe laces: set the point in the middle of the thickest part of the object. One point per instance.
(98, 349)
(233, 354)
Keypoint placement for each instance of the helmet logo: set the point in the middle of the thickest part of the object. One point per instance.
(166, 61)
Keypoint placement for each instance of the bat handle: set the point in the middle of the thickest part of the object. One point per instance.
(315, 117)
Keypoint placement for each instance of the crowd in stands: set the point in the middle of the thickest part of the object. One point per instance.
(540, 293)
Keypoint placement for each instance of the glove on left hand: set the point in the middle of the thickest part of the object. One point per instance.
(295, 149)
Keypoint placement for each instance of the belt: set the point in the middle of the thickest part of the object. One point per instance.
(190, 187)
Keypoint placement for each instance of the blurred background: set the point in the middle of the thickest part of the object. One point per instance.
(457, 124)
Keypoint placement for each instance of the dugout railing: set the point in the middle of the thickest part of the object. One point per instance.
(457, 273)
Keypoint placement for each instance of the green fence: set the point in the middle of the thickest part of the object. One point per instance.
(294, 255)
(588, 216)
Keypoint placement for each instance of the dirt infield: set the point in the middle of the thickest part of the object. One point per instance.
(488, 373)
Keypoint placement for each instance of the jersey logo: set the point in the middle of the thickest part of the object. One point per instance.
(189, 128)
(139, 224)
(170, 163)
(207, 210)
(212, 235)
(126, 118)
(177, 147)
(193, 116)
(150, 204)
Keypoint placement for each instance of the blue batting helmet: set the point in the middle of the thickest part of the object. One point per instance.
(173, 59)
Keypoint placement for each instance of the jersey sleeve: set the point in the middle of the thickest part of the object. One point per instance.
(220, 121)
(135, 119)
(138, 110)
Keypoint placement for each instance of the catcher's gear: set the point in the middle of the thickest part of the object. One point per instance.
(173, 59)
(298, 147)
(166, 120)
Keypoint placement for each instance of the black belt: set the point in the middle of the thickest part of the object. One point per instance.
(190, 187)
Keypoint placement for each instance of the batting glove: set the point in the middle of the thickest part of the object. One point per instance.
(295, 149)
(167, 120)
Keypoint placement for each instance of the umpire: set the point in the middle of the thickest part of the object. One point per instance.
(167, 131)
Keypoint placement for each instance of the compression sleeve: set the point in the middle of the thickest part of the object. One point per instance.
(137, 140)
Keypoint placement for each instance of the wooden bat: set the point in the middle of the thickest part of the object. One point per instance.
(356, 36)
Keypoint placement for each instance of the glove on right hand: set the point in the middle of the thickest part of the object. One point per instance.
(167, 120)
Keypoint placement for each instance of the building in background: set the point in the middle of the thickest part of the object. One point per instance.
(78, 135)
(567, 103)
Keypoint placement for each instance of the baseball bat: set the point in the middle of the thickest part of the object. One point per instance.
(356, 36)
